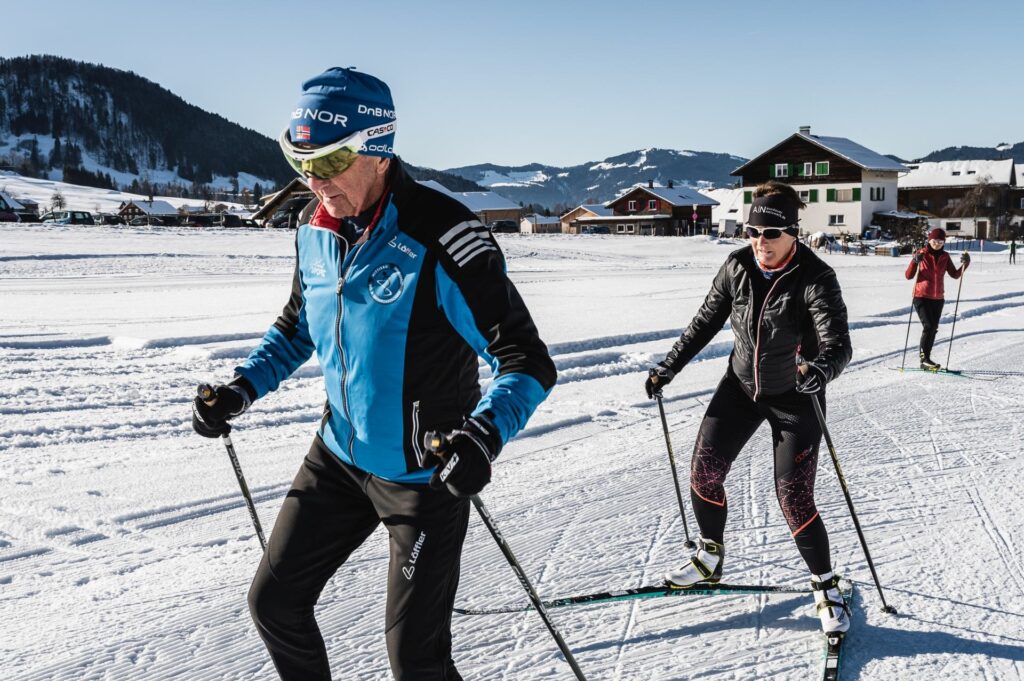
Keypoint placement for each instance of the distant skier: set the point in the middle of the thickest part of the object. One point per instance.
(782, 299)
(397, 289)
(1013, 251)
(931, 264)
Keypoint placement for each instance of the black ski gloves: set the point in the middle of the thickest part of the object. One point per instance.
(918, 257)
(812, 382)
(658, 377)
(463, 457)
(215, 406)
(965, 259)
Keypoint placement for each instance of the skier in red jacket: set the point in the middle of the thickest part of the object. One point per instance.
(931, 264)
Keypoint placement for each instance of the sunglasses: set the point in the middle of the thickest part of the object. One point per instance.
(769, 232)
(330, 160)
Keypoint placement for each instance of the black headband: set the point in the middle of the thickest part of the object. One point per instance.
(775, 210)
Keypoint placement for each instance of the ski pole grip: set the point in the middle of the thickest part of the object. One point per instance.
(434, 442)
(206, 394)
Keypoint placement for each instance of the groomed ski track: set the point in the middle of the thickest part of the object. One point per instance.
(126, 550)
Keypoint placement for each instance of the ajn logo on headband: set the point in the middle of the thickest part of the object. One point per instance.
(769, 210)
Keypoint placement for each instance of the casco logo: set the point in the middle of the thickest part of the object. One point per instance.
(376, 111)
(385, 129)
(378, 147)
(386, 283)
(322, 116)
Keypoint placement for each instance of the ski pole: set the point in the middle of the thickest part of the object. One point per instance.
(955, 310)
(206, 394)
(675, 476)
(910, 318)
(435, 442)
(849, 502)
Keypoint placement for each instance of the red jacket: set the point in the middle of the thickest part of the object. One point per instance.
(931, 277)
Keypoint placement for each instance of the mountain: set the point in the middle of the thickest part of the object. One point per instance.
(1016, 152)
(598, 181)
(93, 125)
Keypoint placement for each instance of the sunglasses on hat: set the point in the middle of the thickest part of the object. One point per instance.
(770, 232)
(330, 160)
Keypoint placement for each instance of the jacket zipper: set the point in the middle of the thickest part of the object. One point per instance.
(417, 447)
(338, 341)
(760, 319)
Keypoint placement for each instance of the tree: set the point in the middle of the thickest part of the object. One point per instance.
(983, 200)
(57, 201)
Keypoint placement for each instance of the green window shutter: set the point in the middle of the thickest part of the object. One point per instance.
(748, 197)
(856, 193)
(814, 196)
(771, 170)
(830, 194)
(791, 169)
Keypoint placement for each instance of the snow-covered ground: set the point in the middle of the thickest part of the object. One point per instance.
(126, 551)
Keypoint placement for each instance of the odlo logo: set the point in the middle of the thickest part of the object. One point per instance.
(410, 569)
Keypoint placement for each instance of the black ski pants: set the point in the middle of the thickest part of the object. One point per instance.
(929, 312)
(329, 511)
(730, 421)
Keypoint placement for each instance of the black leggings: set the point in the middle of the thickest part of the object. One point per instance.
(928, 311)
(329, 511)
(730, 421)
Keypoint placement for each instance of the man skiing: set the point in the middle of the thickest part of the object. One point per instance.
(931, 264)
(782, 300)
(398, 289)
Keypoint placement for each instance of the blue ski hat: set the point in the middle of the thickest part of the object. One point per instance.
(339, 102)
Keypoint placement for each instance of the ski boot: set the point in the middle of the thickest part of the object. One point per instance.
(832, 610)
(704, 568)
(928, 365)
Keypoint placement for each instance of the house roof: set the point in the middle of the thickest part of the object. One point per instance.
(730, 203)
(542, 219)
(475, 201)
(856, 154)
(957, 173)
(15, 205)
(597, 209)
(1019, 171)
(153, 207)
(676, 196)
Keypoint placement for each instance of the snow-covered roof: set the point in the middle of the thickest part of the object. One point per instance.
(542, 219)
(855, 153)
(956, 173)
(155, 207)
(676, 196)
(475, 201)
(1019, 172)
(15, 205)
(598, 209)
(730, 203)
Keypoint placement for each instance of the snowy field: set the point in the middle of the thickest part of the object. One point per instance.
(126, 551)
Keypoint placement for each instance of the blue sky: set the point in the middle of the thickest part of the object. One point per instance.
(563, 83)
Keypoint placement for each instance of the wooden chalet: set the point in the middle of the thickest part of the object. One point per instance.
(843, 183)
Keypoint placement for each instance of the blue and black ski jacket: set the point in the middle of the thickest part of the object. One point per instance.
(397, 322)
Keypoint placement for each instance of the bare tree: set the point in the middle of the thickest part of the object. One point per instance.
(57, 201)
(983, 200)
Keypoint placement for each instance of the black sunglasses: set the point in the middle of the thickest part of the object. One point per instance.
(769, 232)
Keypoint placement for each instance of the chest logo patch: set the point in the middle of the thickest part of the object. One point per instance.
(386, 283)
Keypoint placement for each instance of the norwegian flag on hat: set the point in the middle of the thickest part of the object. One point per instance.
(302, 133)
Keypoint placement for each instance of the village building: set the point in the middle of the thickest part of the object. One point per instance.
(540, 224)
(571, 220)
(151, 209)
(843, 183)
(727, 216)
(647, 210)
(488, 206)
(967, 198)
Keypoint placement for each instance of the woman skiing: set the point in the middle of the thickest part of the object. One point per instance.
(782, 300)
(931, 264)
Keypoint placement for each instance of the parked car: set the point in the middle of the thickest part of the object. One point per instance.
(67, 217)
(108, 219)
(287, 216)
(199, 220)
(504, 226)
(228, 220)
(152, 220)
